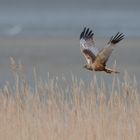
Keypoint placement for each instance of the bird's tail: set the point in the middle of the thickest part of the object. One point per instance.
(108, 70)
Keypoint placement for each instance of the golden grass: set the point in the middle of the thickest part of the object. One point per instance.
(50, 111)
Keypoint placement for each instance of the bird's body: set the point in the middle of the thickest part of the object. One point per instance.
(96, 60)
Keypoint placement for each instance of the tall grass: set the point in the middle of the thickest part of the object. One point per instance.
(51, 111)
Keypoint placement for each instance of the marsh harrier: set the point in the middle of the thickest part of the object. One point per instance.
(96, 59)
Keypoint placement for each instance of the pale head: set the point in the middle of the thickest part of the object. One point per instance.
(88, 67)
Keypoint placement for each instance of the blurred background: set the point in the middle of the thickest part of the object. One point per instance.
(45, 35)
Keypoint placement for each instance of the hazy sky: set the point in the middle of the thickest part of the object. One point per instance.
(58, 4)
(38, 16)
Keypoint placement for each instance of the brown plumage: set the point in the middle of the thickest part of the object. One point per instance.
(97, 59)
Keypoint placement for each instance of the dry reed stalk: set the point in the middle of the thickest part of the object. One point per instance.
(90, 113)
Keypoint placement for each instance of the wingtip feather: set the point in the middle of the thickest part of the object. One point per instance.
(86, 33)
(117, 38)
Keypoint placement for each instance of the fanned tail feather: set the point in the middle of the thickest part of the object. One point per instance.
(108, 70)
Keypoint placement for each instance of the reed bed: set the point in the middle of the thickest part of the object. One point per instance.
(52, 111)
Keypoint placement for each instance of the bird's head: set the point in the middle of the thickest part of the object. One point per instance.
(85, 66)
(88, 67)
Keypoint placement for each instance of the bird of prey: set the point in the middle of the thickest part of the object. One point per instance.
(96, 59)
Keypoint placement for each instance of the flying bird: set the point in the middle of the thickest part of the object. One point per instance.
(97, 59)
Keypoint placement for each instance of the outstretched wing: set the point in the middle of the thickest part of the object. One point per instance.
(105, 53)
(87, 45)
